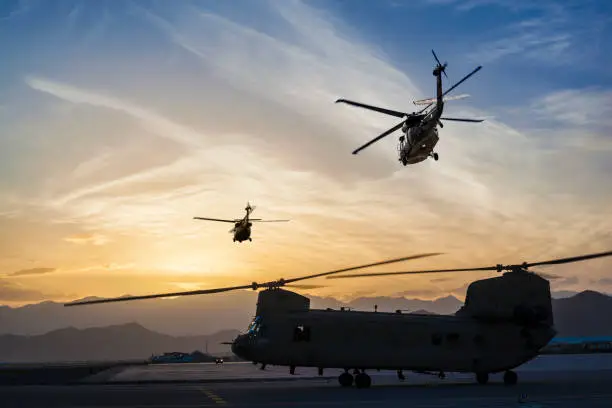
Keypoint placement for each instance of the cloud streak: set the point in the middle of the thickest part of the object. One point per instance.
(32, 271)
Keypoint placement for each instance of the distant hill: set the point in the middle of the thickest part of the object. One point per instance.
(588, 313)
(122, 342)
(187, 316)
(584, 313)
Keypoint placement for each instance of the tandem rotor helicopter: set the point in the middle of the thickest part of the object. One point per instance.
(242, 226)
(504, 323)
(420, 133)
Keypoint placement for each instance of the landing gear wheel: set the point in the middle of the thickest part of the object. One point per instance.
(435, 156)
(250, 240)
(510, 378)
(362, 380)
(345, 379)
(482, 378)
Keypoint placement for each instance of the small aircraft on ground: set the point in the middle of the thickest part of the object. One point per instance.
(420, 133)
(504, 323)
(242, 226)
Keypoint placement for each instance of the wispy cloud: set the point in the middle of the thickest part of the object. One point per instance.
(548, 32)
(88, 238)
(589, 107)
(155, 123)
(32, 271)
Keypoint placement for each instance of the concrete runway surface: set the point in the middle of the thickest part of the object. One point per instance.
(551, 381)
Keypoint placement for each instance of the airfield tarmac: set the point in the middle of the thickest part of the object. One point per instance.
(549, 381)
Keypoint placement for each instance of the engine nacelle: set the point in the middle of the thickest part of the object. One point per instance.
(522, 297)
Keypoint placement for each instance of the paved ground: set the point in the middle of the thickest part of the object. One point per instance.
(579, 382)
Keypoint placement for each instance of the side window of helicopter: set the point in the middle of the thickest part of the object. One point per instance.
(436, 339)
(301, 333)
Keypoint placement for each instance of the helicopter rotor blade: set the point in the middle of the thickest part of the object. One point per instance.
(390, 112)
(213, 219)
(306, 286)
(454, 86)
(463, 120)
(443, 66)
(569, 260)
(363, 275)
(254, 285)
(445, 99)
(408, 258)
(260, 220)
(377, 138)
(497, 268)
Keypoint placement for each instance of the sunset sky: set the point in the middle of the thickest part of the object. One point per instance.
(121, 120)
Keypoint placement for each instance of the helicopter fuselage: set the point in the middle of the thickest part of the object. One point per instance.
(417, 145)
(389, 341)
(242, 231)
(418, 142)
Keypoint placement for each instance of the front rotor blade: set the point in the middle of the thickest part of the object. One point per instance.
(376, 139)
(158, 295)
(253, 285)
(407, 258)
(397, 114)
(361, 275)
(464, 120)
(569, 260)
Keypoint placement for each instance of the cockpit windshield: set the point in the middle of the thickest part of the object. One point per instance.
(255, 325)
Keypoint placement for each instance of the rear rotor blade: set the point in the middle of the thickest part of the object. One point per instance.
(397, 114)
(254, 285)
(377, 138)
(569, 260)
(362, 275)
(498, 268)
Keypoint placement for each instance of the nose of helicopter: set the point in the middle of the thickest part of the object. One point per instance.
(240, 346)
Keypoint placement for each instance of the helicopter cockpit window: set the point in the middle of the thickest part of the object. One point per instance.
(301, 333)
(255, 325)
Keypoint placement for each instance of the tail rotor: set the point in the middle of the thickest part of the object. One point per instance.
(440, 67)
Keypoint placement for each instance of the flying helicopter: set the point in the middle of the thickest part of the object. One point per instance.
(420, 133)
(242, 226)
(505, 322)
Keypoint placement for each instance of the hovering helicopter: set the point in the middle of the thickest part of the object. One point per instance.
(242, 226)
(504, 323)
(420, 133)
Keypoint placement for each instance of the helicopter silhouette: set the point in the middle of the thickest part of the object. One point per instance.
(242, 226)
(420, 132)
(504, 323)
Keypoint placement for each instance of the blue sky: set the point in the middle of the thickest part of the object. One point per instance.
(120, 120)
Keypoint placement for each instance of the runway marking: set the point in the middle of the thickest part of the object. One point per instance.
(214, 396)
